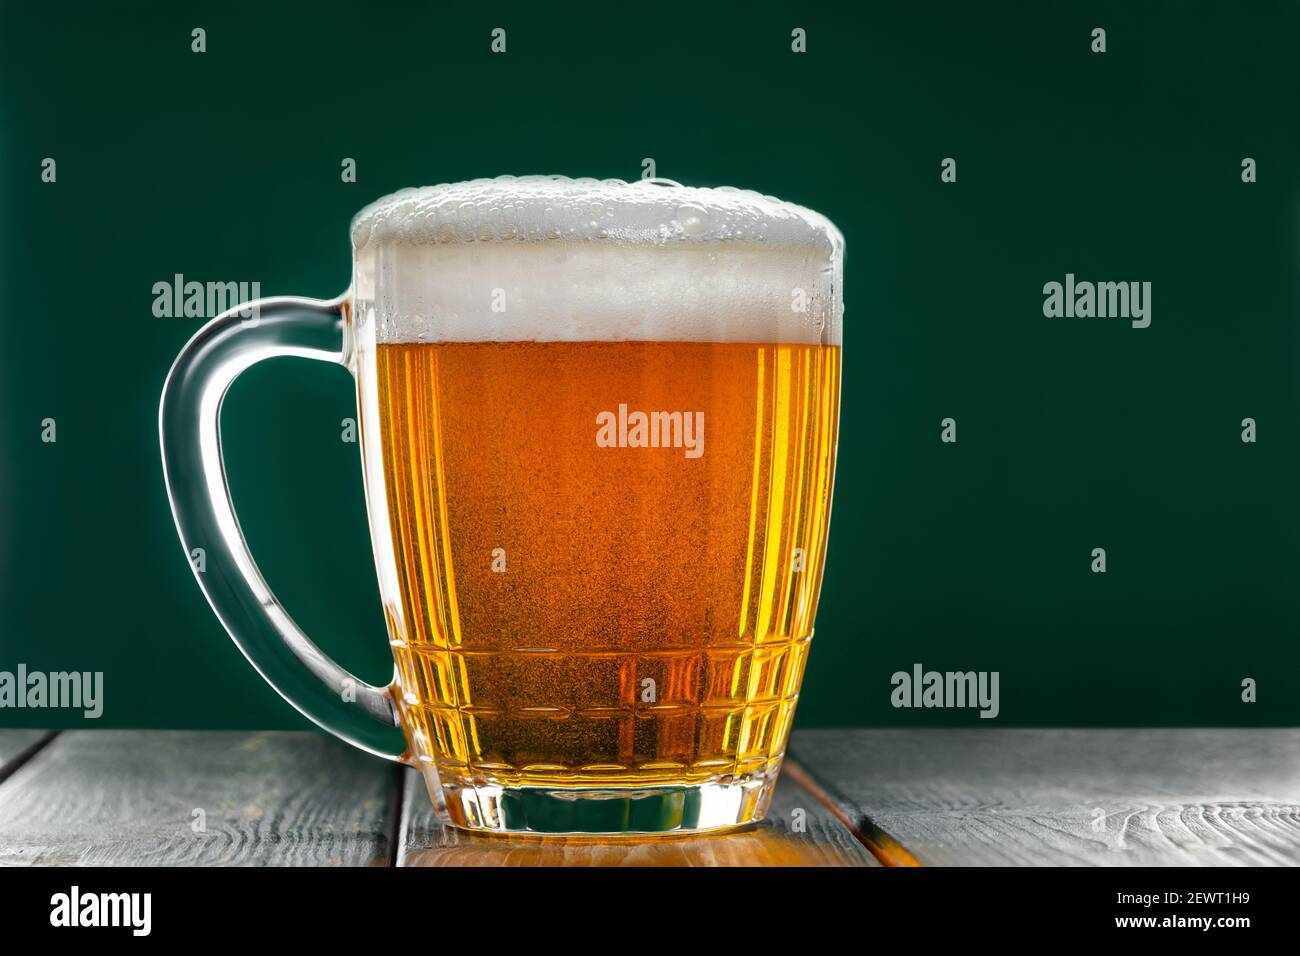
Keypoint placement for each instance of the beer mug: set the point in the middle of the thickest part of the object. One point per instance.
(597, 429)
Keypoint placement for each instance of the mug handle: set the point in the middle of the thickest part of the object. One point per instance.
(189, 428)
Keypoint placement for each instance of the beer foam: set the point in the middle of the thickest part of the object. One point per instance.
(546, 258)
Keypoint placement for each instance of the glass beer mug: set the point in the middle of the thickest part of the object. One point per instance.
(598, 425)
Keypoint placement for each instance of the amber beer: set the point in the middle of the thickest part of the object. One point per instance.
(583, 614)
(599, 426)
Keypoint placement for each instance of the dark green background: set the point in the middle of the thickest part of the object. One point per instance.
(1074, 434)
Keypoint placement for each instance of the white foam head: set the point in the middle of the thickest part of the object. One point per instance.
(546, 258)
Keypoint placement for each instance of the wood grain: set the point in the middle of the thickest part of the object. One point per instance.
(825, 841)
(1099, 797)
(130, 797)
(1109, 797)
(16, 746)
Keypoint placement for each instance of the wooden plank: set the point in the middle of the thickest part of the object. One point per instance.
(16, 746)
(824, 842)
(1102, 797)
(131, 798)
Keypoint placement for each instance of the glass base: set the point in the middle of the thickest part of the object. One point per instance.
(603, 811)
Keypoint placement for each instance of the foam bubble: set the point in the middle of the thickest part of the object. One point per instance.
(549, 258)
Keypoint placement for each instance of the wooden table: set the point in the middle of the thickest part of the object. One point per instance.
(868, 797)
